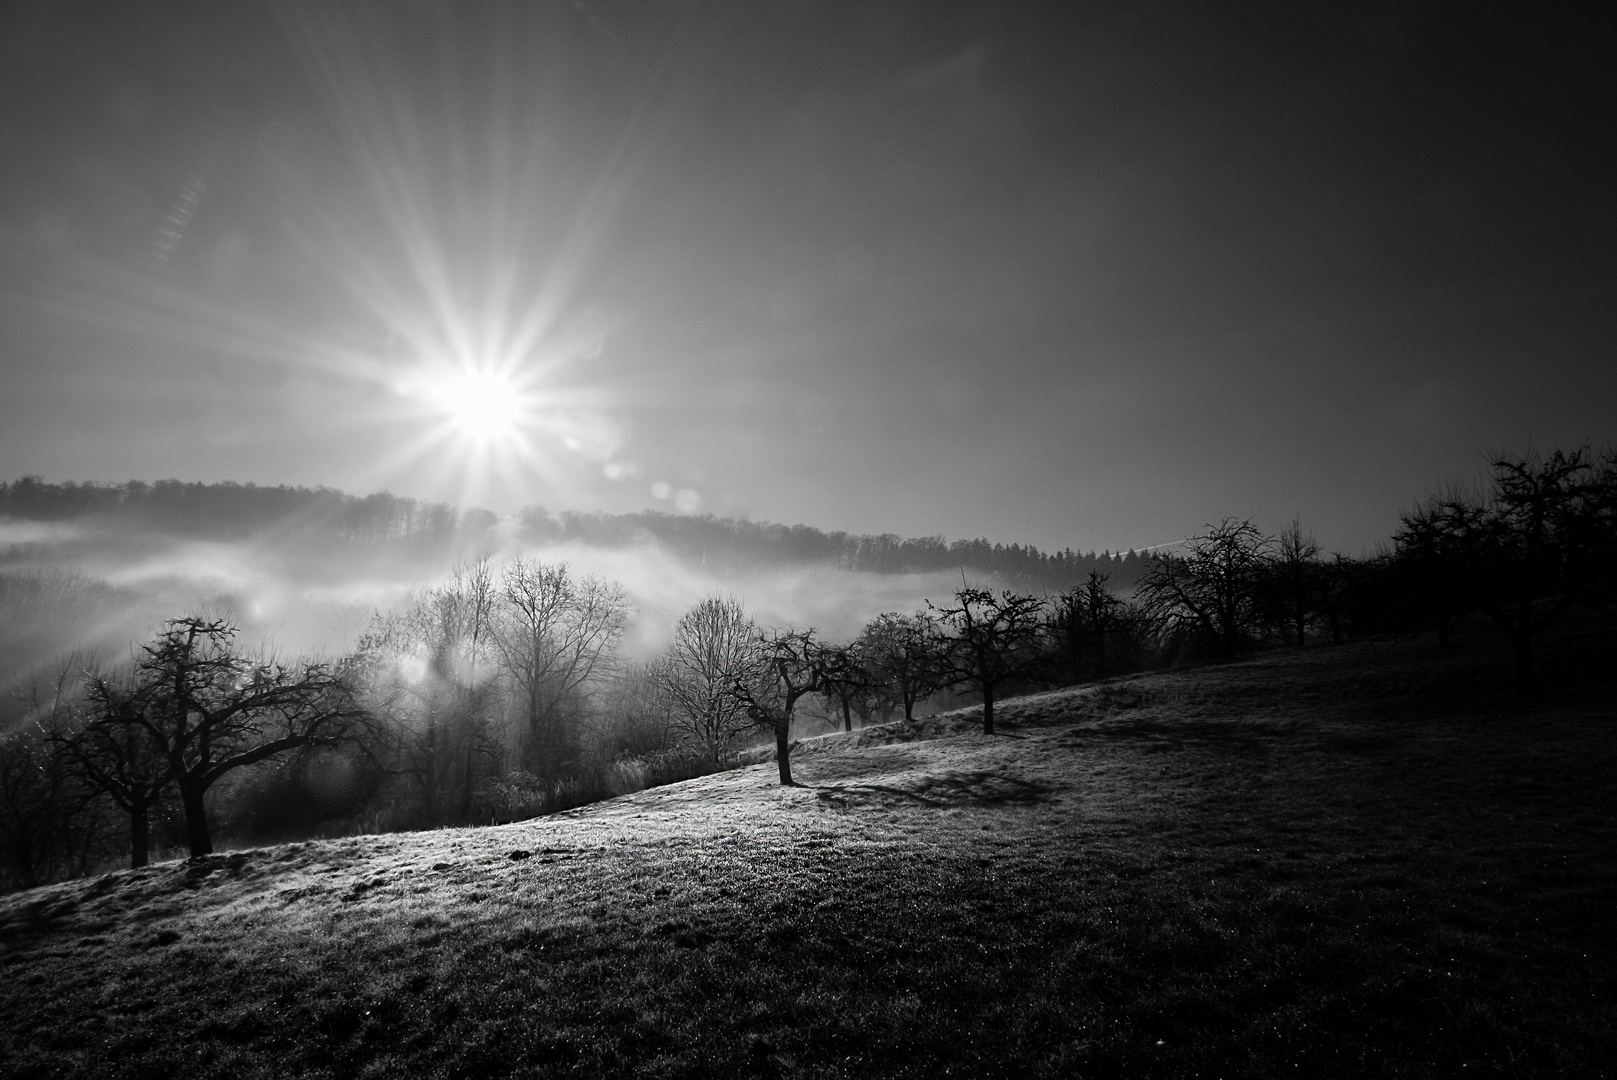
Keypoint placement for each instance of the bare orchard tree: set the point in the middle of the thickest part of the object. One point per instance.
(556, 632)
(990, 642)
(1082, 622)
(36, 808)
(208, 711)
(1440, 544)
(1297, 582)
(1214, 592)
(849, 681)
(794, 665)
(715, 648)
(49, 825)
(1540, 537)
(903, 655)
(113, 754)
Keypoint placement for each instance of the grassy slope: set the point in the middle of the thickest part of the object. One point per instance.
(1367, 860)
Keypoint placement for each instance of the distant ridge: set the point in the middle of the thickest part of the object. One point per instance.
(232, 511)
(734, 543)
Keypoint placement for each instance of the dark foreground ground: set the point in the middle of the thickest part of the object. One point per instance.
(1371, 860)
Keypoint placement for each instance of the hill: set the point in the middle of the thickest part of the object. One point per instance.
(333, 523)
(1368, 860)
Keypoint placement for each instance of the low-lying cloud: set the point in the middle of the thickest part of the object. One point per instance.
(100, 591)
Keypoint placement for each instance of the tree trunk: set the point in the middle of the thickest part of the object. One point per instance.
(783, 751)
(139, 837)
(847, 714)
(988, 708)
(196, 817)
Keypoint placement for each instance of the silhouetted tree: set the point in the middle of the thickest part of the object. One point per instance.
(113, 754)
(792, 664)
(989, 642)
(1296, 580)
(904, 655)
(209, 711)
(1440, 546)
(847, 680)
(1082, 622)
(36, 804)
(1525, 548)
(1213, 592)
(1337, 579)
(50, 824)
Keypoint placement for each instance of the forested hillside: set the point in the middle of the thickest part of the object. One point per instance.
(230, 511)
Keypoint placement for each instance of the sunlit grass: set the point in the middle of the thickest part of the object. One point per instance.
(1364, 861)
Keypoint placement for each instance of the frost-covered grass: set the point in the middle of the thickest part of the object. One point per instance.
(1360, 861)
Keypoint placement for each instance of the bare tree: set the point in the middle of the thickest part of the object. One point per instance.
(793, 666)
(114, 755)
(1082, 620)
(1214, 591)
(556, 632)
(637, 716)
(466, 609)
(848, 681)
(903, 653)
(50, 826)
(1537, 536)
(1298, 581)
(50, 823)
(1439, 542)
(715, 648)
(1521, 551)
(441, 664)
(35, 806)
(990, 642)
(208, 711)
(1336, 581)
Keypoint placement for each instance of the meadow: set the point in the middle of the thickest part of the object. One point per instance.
(1372, 859)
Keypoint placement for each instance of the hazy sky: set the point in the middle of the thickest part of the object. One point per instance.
(972, 269)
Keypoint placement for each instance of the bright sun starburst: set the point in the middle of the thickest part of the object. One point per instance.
(484, 406)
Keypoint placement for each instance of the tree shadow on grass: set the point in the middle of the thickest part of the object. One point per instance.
(939, 790)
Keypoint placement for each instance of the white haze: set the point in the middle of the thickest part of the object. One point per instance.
(102, 593)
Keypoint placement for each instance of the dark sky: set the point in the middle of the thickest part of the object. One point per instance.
(1086, 279)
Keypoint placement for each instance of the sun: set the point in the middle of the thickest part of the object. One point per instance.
(482, 406)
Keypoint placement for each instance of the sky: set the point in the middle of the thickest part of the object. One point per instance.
(1085, 276)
